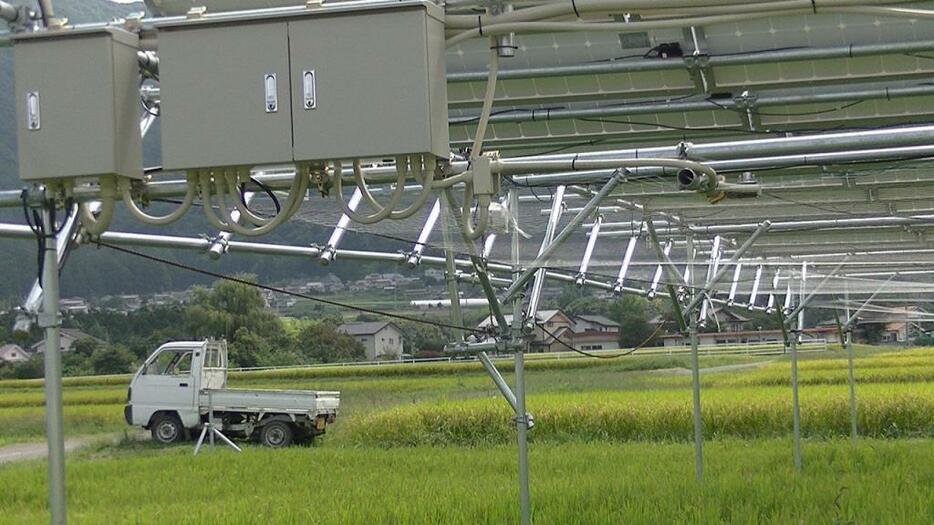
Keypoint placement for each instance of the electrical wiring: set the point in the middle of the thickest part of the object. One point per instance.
(99, 224)
(797, 114)
(265, 189)
(235, 189)
(382, 212)
(229, 278)
(296, 197)
(142, 216)
(473, 231)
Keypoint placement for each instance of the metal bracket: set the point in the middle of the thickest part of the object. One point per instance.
(48, 320)
(698, 62)
(747, 104)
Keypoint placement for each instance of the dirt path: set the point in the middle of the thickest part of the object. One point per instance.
(39, 450)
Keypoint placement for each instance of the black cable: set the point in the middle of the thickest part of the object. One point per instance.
(274, 289)
(266, 189)
(800, 114)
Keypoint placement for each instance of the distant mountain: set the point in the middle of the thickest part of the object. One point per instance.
(92, 272)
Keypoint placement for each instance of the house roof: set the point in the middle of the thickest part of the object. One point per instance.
(11, 347)
(598, 319)
(69, 333)
(728, 314)
(542, 316)
(368, 328)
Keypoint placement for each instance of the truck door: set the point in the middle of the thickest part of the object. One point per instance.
(167, 383)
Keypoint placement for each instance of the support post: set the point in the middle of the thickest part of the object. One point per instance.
(795, 408)
(523, 419)
(50, 321)
(695, 375)
(522, 429)
(851, 385)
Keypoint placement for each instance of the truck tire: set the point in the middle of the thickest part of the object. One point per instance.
(166, 429)
(276, 434)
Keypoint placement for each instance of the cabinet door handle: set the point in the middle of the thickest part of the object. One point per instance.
(270, 85)
(310, 89)
(183, 384)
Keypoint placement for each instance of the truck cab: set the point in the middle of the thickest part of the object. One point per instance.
(182, 383)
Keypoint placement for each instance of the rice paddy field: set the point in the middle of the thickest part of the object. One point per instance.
(436, 444)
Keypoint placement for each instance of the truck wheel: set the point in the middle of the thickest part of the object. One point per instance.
(166, 429)
(276, 434)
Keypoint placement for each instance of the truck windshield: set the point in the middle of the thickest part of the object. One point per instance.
(176, 363)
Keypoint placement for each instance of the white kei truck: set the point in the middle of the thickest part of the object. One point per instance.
(173, 394)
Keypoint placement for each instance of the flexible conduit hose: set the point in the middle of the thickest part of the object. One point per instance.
(165, 219)
(98, 225)
(382, 212)
(471, 231)
(667, 23)
(296, 198)
(233, 187)
(424, 174)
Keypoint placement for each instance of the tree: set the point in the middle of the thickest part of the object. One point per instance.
(229, 306)
(112, 359)
(632, 313)
(322, 343)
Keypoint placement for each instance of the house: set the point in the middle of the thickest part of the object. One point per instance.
(12, 353)
(555, 330)
(380, 339)
(74, 305)
(827, 333)
(69, 336)
(727, 320)
(595, 323)
(553, 321)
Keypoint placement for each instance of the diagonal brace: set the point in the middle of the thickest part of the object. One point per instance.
(763, 227)
(569, 229)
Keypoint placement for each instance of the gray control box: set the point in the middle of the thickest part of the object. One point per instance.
(77, 104)
(304, 85)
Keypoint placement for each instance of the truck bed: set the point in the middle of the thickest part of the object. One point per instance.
(281, 401)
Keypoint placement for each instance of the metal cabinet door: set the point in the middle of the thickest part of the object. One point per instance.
(74, 130)
(216, 94)
(370, 92)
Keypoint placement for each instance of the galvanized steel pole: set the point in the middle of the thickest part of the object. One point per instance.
(50, 320)
(695, 375)
(795, 409)
(851, 385)
(522, 416)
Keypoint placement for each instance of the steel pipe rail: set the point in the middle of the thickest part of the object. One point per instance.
(792, 226)
(637, 66)
(731, 104)
(721, 156)
(9, 12)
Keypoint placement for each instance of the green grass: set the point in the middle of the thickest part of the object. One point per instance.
(890, 410)
(745, 482)
(96, 404)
